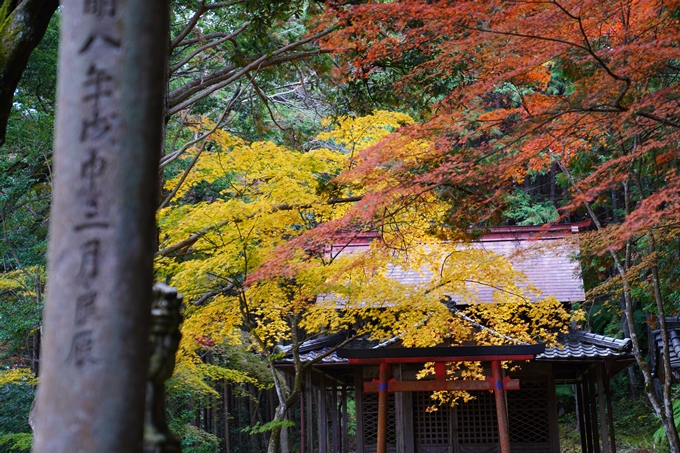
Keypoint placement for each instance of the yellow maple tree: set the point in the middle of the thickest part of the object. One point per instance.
(264, 197)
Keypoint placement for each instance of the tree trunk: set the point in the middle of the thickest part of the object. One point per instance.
(667, 398)
(22, 27)
(630, 371)
(284, 439)
(102, 226)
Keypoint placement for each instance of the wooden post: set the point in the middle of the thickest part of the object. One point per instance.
(108, 137)
(335, 421)
(399, 411)
(552, 414)
(610, 413)
(308, 411)
(407, 403)
(345, 420)
(593, 410)
(586, 412)
(601, 404)
(501, 411)
(303, 442)
(382, 408)
(359, 400)
(322, 415)
(581, 418)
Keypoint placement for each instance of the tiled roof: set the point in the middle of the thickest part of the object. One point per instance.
(576, 346)
(311, 349)
(548, 264)
(586, 346)
(331, 358)
(673, 327)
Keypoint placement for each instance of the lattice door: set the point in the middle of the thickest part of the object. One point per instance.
(431, 429)
(370, 406)
(476, 420)
(528, 413)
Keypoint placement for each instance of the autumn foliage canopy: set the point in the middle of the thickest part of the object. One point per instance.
(514, 87)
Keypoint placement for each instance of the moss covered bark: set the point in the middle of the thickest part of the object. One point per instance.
(22, 26)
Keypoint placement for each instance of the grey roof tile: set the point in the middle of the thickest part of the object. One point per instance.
(579, 345)
(576, 346)
(673, 327)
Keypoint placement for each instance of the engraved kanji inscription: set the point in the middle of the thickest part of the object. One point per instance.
(100, 7)
(95, 127)
(91, 171)
(85, 307)
(99, 85)
(89, 265)
(82, 348)
(107, 38)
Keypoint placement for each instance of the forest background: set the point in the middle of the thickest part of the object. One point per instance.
(289, 123)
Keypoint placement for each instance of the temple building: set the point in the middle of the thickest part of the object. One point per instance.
(511, 412)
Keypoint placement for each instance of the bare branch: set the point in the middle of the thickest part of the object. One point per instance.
(229, 290)
(209, 45)
(525, 35)
(651, 116)
(201, 87)
(167, 159)
(208, 37)
(265, 101)
(196, 17)
(205, 89)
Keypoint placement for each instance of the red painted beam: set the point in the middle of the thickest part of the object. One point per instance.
(488, 358)
(436, 386)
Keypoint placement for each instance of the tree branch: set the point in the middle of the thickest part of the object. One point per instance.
(207, 46)
(201, 87)
(191, 240)
(196, 17)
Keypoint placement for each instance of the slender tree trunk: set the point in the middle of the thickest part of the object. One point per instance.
(284, 439)
(630, 370)
(669, 424)
(626, 266)
(102, 226)
(286, 400)
(553, 196)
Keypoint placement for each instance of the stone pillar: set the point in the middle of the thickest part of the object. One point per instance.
(112, 60)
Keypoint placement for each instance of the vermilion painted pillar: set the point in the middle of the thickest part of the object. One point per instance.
(501, 412)
(382, 408)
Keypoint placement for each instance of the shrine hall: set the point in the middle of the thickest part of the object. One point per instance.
(512, 411)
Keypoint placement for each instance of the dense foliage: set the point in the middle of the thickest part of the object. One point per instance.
(294, 126)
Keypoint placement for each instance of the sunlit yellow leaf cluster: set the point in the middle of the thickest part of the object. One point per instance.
(358, 133)
(21, 282)
(17, 376)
